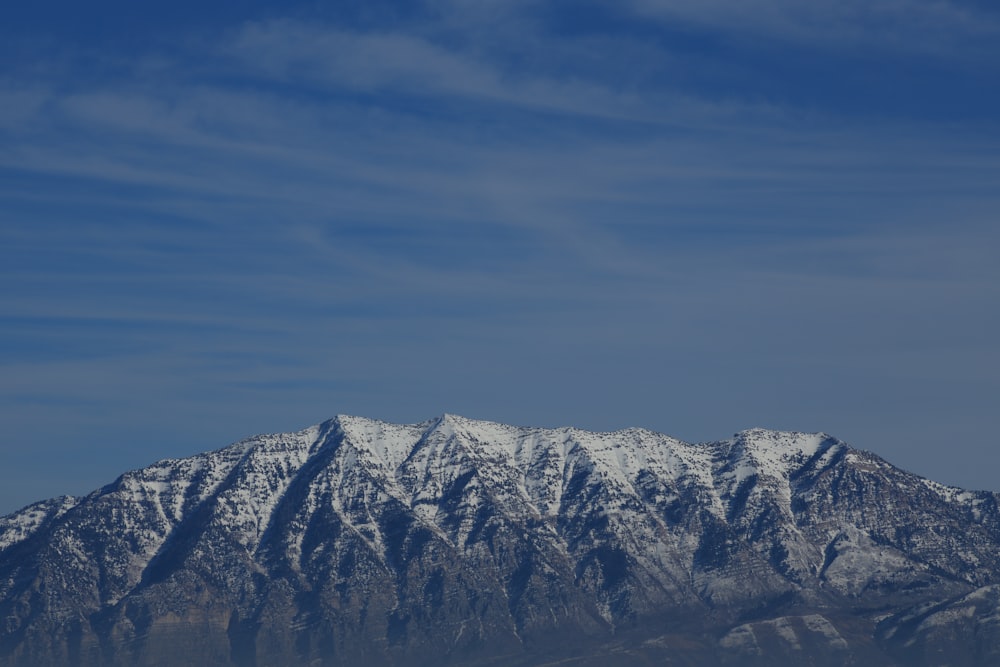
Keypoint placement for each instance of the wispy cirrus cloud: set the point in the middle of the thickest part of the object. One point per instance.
(334, 61)
(288, 217)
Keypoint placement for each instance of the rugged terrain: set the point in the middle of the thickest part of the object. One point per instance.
(475, 543)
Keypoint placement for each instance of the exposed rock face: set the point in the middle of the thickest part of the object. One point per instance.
(472, 543)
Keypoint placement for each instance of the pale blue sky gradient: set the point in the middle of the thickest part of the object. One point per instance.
(694, 217)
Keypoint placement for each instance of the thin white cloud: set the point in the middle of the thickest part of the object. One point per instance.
(298, 219)
(300, 51)
(313, 159)
(238, 157)
(338, 61)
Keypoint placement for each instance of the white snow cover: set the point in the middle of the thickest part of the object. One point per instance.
(622, 486)
(525, 468)
(22, 525)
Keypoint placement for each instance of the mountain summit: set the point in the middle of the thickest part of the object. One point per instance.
(464, 542)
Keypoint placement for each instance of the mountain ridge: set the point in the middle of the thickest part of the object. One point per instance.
(402, 543)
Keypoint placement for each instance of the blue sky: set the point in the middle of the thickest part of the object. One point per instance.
(696, 217)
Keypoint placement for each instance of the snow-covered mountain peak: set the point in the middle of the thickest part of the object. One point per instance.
(761, 452)
(782, 441)
(767, 445)
(21, 525)
(364, 540)
(390, 444)
(451, 423)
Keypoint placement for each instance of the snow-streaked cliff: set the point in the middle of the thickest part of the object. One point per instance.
(460, 540)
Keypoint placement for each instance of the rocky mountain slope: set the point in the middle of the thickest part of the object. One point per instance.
(474, 543)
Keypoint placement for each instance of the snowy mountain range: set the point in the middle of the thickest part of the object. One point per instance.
(462, 542)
